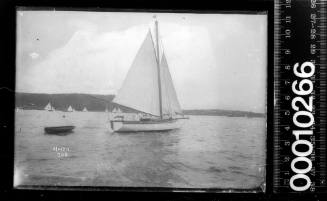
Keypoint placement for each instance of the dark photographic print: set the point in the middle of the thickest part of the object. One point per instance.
(140, 99)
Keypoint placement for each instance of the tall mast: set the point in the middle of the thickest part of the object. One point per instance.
(158, 66)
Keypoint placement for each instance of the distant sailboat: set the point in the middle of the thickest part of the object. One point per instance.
(49, 107)
(85, 109)
(148, 89)
(70, 109)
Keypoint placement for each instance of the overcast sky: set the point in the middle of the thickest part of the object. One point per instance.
(217, 61)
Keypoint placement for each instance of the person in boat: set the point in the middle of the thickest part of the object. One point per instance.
(119, 117)
(145, 117)
(137, 116)
(168, 116)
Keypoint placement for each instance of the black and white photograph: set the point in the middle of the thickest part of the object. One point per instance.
(140, 99)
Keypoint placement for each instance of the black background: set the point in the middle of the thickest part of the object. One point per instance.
(7, 86)
(299, 46)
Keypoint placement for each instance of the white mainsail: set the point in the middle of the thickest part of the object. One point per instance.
(48, 107)
(85, 109)
(70, 109)
(141, 88)
(170, 103)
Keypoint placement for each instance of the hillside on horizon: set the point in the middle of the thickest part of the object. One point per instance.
(97, 102)
(78, 101)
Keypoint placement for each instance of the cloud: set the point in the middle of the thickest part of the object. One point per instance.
(34, 55)
(216, 66)
(93, 62)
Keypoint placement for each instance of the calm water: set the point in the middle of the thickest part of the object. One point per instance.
(208, 151)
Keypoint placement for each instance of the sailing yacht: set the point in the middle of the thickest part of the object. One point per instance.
(148, 90)
(85, 109)
(49, 107)
(70, 109)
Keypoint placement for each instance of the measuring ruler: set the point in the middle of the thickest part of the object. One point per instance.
(299, 156)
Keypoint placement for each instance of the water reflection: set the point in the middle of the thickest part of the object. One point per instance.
(208, 152)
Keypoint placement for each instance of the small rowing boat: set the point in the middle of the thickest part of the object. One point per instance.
(59, 129)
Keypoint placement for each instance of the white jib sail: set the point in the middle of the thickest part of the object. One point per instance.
(140, 89)
(170, 103)
(48, 107)
(70, 109)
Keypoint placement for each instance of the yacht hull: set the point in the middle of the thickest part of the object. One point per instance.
(144, 126)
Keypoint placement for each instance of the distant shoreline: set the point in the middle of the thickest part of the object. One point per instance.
(228, 113)
(98, 103)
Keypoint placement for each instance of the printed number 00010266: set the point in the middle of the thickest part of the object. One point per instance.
(303, 119)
